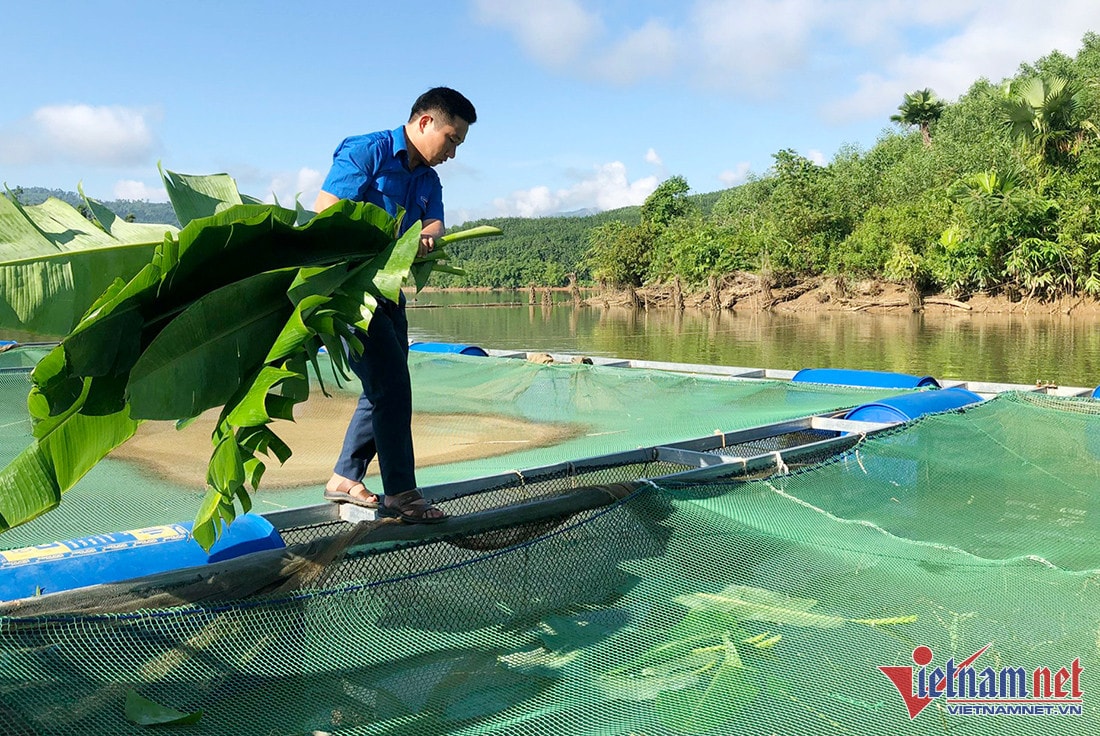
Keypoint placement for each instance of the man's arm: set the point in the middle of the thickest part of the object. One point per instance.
(431, 229)
(324, 201)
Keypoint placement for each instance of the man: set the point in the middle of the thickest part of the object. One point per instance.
(393, 169)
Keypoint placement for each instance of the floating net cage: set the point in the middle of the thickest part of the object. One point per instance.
(635, 594)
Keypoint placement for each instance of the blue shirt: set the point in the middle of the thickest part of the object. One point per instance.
(375, 168)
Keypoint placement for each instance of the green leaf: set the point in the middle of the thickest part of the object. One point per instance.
(118, 228)
(758, 604)
(483, 231)
(262, 439)
(563, 633)
(423, 266)
(421, 272)
(295, 332)
(724, 687)
(34, 481)
(199, 359)
(194, 197)
(54, 262)
(391, 274)
(145, 712)
(252, 409)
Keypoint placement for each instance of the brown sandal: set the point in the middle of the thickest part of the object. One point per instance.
(411, 508)
(346, 496)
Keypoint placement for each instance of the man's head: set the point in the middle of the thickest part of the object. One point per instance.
(438, 124)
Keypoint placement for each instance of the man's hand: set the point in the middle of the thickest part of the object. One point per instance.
(427, 245)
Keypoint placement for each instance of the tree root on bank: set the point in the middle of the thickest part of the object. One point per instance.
(906, 303)
(745, 291)
(786, 295)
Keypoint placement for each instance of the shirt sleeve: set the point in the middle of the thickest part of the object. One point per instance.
(354, 165)
(434, 208)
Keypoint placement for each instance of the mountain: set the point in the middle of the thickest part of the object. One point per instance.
(585, 212)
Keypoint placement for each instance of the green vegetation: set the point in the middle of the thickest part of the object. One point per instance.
(544, 251)
(996, 192)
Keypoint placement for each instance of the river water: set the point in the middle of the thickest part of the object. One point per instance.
(1058, 349)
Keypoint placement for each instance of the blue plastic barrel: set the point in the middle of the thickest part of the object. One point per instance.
(110, 558)
(447, 347)
(871, 379)
(1096, 393)
(910, 406)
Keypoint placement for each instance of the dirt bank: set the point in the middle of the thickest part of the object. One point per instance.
(744, 292)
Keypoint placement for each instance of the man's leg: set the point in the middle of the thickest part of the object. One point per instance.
(389, 390)
(357, 452)
(381, 422)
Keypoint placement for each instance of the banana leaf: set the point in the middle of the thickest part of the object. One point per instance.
(230, 311)
(196, 196)
(54, 262)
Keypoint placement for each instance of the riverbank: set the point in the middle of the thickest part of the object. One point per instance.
(744, 292)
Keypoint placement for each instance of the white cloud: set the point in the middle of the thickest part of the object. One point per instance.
(650, 51)
(738, 175)
(303, 185)
(817, 157)
(992, 41)
(747, 44)
(606, 188)
(876, 51)
(139, 190)
(554, 32)
(82, 134)
(651, 157)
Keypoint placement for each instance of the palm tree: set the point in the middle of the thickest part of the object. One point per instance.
(1047, 113)
(920, 108)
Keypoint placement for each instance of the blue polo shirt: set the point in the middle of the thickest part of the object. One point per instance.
(375, 168)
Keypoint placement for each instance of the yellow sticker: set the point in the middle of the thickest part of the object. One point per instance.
(34, 554)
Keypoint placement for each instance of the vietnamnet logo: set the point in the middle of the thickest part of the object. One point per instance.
(965, 690)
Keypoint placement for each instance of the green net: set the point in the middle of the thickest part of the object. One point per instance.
(472, 417)
(726, 606)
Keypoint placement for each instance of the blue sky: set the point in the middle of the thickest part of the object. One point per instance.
(581, 103)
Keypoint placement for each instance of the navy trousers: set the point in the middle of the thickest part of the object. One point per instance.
(382, 422)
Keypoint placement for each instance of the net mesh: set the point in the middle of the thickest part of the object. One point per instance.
(735, 605)
(473, 417)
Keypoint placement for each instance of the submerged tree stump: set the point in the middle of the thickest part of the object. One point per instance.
(916, 300)
(574, 290)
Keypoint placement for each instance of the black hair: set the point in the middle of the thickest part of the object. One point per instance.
(445, 101)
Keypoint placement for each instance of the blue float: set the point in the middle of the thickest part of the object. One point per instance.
(447, 347)
(910, 406)
(1096, 393)
(110, 558)
(870, 379)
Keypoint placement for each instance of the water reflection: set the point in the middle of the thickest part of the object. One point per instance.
(984, 347)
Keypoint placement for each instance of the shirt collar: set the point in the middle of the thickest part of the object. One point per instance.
(401, 146)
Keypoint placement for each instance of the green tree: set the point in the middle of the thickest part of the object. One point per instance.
(667, 203)
(1000, 235)
(921, 108)
(1047, 114)
(619, 254)
(803, 215)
